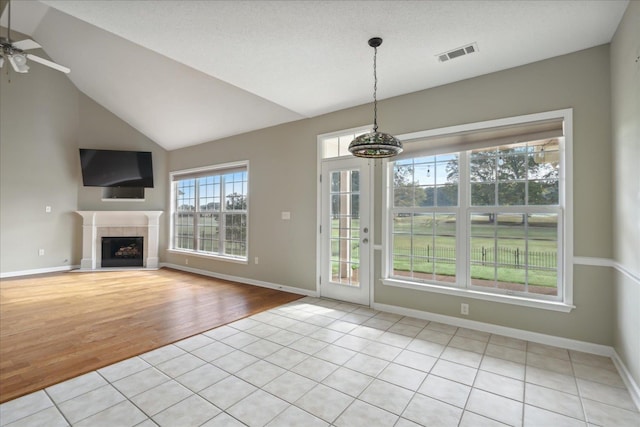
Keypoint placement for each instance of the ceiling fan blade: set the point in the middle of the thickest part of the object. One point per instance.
(48, 63)
(26, 45)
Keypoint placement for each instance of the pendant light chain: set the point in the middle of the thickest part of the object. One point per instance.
(375, 90)
(375, 145)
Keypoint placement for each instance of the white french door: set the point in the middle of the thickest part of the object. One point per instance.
(345, 230)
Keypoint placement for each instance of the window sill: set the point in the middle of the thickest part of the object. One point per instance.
(467, 293)
(209, 256)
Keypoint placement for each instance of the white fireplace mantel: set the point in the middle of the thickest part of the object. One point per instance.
(98, 224)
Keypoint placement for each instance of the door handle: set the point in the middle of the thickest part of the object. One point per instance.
(365, 230)
(365, 240)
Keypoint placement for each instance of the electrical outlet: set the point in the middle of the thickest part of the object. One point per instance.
(40, 252)
(464, 309)
(47, 209)
(186, 261)
(256, 260)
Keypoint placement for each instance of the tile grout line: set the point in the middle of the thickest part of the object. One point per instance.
(302, 317)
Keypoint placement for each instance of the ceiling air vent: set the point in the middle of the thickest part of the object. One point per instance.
(456, 53)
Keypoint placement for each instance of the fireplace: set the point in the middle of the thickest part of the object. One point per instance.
(97, 225)
(122, 251)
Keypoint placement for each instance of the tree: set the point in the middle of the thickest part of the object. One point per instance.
(509, 169)
(406, 190)
(236, 202)
(210, 207)
(235, 224)
(343, 182)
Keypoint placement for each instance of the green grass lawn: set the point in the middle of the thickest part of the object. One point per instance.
(506, 263)
(422, 252)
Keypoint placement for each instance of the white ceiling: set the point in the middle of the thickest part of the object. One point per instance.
(188, 72)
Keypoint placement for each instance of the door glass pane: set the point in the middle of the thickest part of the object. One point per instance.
(345, 227)
(331, 147)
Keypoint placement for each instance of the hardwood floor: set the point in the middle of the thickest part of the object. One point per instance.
(58, 326)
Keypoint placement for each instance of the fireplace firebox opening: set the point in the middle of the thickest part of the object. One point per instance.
(122, 251)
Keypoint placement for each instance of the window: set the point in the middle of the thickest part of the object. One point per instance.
(481, 211)
(209, 212)
(336, 144)
(423, 226)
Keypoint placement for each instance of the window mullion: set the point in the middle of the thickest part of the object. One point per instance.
(463, 244)
(495, 250)
(196, 215)
(526, 251)
(222, 222)
(174, 214)
(411, 245)
(560, 261)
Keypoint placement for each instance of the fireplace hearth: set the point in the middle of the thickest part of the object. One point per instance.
(122, 251)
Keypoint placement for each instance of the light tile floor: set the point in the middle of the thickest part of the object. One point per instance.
(317, 362)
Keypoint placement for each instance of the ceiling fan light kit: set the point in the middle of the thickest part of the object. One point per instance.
(15, 52)
(374, 145)
(19, 63)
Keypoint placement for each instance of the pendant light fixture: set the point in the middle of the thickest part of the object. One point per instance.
(375, 144)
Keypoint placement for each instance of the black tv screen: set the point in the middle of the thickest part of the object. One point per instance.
(113, 168)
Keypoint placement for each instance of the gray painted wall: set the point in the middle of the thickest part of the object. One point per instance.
(38, 160)
(579, 81)
(44, 119)
(99, 128)
(625, 113)
(283, 177)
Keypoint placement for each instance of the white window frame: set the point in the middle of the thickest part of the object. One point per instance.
(342, 138)
(203, 171)
(565, 210)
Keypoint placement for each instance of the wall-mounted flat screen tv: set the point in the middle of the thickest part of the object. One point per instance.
(113, 168)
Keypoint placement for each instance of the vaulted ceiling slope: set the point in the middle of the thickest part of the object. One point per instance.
(188, 72)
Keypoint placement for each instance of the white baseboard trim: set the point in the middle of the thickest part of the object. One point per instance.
(244, 280)
(568, 343)
(38, 271)
(632, 386)
(571, 344)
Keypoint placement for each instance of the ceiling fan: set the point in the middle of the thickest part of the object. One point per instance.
(16, 55)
